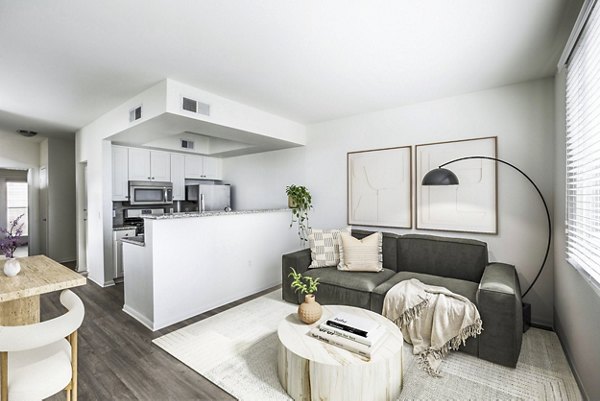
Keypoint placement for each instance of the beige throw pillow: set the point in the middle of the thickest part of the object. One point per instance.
(361, 255)
(324, 247)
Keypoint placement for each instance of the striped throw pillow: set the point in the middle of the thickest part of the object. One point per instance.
(361, 255)
(324, 247)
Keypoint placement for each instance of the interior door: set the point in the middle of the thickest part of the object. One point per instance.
(44, 210)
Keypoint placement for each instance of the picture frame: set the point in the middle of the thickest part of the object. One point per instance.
(472, 206)
(379, 187)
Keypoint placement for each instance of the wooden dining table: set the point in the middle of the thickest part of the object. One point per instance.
(20, 295)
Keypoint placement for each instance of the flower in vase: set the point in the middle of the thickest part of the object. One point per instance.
(12, 239)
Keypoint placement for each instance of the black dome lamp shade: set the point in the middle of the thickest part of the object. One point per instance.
(442, 176)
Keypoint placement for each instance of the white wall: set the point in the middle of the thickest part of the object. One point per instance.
(22, 153)
(521, 116)
(259, 180)
(577, 304)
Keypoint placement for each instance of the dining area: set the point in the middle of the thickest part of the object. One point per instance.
(38, 358)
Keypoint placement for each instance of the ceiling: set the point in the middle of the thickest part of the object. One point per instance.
(63, 63)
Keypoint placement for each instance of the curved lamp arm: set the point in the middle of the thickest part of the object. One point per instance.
(541, 197)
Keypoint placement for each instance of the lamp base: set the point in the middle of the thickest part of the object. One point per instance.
(526, 317)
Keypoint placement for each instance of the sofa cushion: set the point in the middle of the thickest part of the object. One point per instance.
(467, 289)
(347, 288)
(459, 258)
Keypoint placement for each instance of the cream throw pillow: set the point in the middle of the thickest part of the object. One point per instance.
(324, 247)
(361, 255)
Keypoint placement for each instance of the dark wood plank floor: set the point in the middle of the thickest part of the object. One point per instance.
(117, 360)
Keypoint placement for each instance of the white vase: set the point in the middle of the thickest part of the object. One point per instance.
(12, 267)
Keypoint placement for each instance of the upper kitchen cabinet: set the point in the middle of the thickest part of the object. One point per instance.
(178, 176)
(149, 165)
(213, 168)
(203, 167)
(160, 166)
(120, 175)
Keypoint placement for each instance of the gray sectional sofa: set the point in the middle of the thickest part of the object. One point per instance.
(461, 265)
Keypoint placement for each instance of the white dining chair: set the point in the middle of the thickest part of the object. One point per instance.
(39, 360)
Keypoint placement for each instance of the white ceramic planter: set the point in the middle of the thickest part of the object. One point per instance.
(12, 267)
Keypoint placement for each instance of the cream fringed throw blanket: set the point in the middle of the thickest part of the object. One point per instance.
(433, 319)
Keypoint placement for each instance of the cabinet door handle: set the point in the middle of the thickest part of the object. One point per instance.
(152, 177)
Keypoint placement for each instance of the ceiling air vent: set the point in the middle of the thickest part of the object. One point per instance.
(195, 106)
(185, 144)
(135, 114)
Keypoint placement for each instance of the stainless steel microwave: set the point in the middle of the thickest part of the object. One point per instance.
(150, 193)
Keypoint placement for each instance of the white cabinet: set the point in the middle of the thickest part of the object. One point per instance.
(212, 168)
(118, 250)
(193, 166)
(178, 176)
(139, 164)
(160, 166)
(202, 167)
(149, 165)
(120, 174)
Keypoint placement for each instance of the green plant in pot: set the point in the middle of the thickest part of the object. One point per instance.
(309, 311)
(300, 201)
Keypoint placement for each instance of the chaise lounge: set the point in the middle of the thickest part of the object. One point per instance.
(460, 265)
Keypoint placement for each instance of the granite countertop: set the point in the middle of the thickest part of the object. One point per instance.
(123, 228)
(212, 213)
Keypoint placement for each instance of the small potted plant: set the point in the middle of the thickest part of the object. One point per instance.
(300, 201)
(9, 244)
(309, 311)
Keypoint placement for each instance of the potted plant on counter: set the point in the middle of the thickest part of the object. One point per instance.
(309, 311)
(9, 244)
(300, 201)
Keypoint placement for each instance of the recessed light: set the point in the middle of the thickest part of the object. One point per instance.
(27, 133)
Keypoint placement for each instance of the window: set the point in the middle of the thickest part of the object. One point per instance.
(583, 151)
(16, 203)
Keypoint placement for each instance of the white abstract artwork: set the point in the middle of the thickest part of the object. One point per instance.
(380, 187)
(467, 207)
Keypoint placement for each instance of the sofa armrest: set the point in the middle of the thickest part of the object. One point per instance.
(500, 306)
(300, 261)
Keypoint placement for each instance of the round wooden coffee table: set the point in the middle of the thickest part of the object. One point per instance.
(310, 369)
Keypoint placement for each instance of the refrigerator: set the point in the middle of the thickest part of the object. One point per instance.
(211, 196)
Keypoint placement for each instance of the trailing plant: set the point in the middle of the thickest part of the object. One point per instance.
(12, 241)
(300, 201)
(303, 284)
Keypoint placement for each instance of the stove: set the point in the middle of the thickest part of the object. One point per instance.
(135, 217)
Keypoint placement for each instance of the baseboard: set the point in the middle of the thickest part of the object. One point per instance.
(542, 326)
(139, 317)
(566, 350)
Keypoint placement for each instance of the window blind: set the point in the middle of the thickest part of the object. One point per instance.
(583, 150)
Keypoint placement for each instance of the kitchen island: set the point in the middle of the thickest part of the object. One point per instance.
(189, 263)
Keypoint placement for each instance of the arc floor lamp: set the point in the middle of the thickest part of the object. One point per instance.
(443, 176)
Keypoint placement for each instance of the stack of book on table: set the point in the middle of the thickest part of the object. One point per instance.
(351, 332)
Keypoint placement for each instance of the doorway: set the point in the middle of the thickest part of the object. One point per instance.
(14, 206)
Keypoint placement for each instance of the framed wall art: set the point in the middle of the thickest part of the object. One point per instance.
(470, 206)
(380, 187)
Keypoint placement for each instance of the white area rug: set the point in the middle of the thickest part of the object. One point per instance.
(237, 351)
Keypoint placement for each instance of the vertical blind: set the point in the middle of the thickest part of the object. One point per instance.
(583, 150)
